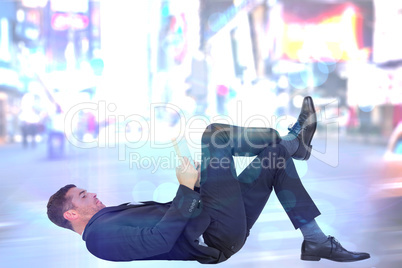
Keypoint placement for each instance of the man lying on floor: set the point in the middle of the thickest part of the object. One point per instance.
(213, 211)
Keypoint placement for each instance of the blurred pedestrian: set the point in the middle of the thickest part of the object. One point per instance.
(29, 119)
(222, 94)
(56, 137)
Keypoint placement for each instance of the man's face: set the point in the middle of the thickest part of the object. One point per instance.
(86, 204)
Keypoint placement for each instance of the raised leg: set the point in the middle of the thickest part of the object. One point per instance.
(235, 203)
(220, 191)
(274, 169)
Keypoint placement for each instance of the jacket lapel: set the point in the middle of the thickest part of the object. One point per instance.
(123, 207)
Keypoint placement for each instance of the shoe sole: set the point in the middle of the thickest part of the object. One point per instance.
(315, 258)
(310, 147)
(308, 153)
(310, 258)
(314, 124)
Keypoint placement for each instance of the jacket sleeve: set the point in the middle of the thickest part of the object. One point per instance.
(126, 243)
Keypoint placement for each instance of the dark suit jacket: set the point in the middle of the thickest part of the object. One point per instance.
(152, 231)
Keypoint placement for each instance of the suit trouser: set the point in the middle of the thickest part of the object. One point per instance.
(235, 202)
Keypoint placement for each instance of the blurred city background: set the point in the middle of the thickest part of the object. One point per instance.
(92, 91)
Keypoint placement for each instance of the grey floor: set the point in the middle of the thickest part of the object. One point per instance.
(342, 185)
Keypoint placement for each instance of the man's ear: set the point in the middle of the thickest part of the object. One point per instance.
(70, 215)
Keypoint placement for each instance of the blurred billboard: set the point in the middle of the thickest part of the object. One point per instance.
(335, 32)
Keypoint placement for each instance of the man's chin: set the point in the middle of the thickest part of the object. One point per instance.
(100, 204)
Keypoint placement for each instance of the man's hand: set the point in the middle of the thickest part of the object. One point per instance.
(186, 174)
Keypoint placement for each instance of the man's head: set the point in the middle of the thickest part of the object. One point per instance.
(72, 207)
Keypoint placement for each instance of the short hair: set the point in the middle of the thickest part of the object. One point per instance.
(58, 204)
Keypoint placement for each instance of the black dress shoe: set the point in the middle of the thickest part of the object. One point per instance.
(331, 250)
(304, 129)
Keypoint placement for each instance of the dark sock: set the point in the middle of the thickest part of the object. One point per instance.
(291, 143)
(312, 232)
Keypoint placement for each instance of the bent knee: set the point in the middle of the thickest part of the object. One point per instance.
(213, 130)
(216, 127)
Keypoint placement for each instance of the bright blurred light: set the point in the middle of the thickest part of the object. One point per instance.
(74, 6)
(20, 15)
(326, 66)
(301, 167)
(165, 192)
(283, 123)
(143, 190)
(283, 82)
(34, 3)
(4, 40)
(298, 101)
(349, 12)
